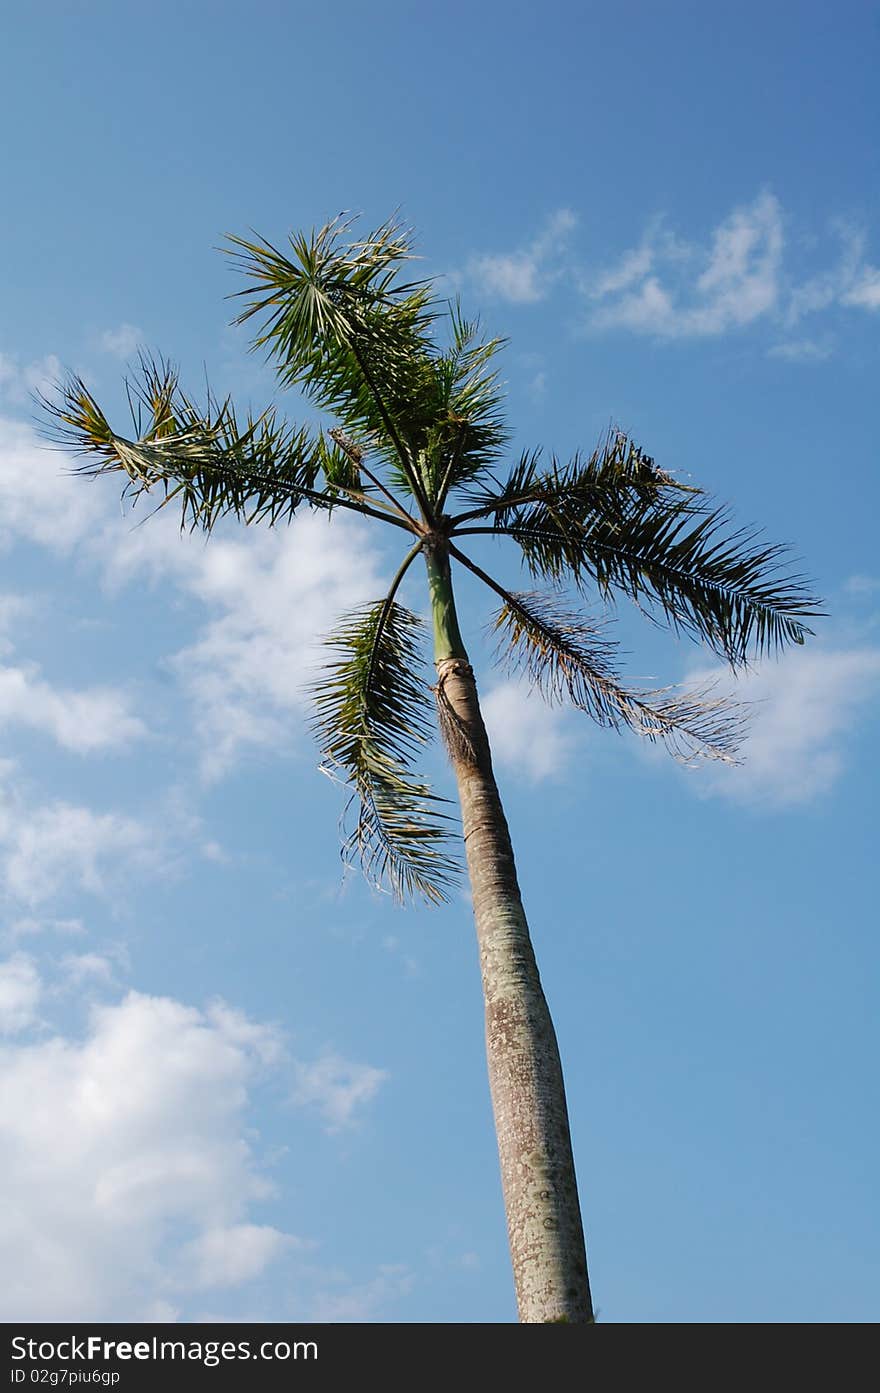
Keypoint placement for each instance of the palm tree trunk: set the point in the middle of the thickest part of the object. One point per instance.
(525, 1074)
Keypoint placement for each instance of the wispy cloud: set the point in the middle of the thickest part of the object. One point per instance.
(13, 608)
(20, 991)
(337, 1087)
(729, 285)
(865, 291)
(802, 350)
(82, 969)
(122, 341)
(851, 281)
(670, 288)
(525, 275)
(272, 598)
(268, 596)
(85, 720)
(362, 1302)
(52, 850)
(537, 386)
(228, 1255)
(803, 718)
(632, 268)
(31, 928)
(40, 499)
(19, 380)
(44, 849)
(533, 739)
(820, 291)
(862, 585)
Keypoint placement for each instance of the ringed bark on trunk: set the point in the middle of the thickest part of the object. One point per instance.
(525, 1073)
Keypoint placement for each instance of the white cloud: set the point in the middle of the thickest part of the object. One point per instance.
(40, 500)
(12, 609)
(360, 1303)
(801, 351)
(633, 267)
(53, 850)
(819, 292)
(228, 1256)
(96, 718)
(648, 310)
(851, 282)
(537, 387)
(122, 341)
(44, 849)
(738, 282)
(806, 704)
(270, 596)
(865, 292)
(669, 289)
(82, 968)
(19, 381)
(524, 276)
(337, 1087)
(862, 585)
(125, 1165)
(262, 1041)
(274, 597)
(530, 737)
(20, 993)
(31, 928)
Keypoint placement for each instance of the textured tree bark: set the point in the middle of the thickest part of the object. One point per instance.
(525, 1073)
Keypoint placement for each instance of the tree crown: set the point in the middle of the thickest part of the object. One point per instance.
(416, 439)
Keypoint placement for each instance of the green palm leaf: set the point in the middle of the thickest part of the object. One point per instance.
(373, 715)
(568, 658)
(468, 430)
(727, 588)
(202, 456)
(612, 479)
(339, 323)
(620, 523)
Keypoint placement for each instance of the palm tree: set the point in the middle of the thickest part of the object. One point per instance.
(415, 440)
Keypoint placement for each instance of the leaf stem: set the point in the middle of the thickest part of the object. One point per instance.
(408, 469)
(386, 606)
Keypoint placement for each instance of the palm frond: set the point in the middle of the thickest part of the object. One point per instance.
(687, 566)
(201, 455)
(497, 500)
(324, 289)
(618, 522)
(568, 658)
(617, 475)
(467, 429)
(373, 715)
(339, 322)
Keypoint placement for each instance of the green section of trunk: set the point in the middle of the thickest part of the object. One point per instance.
(448, 642)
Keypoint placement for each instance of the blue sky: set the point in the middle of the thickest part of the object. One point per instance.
(234, 1086)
